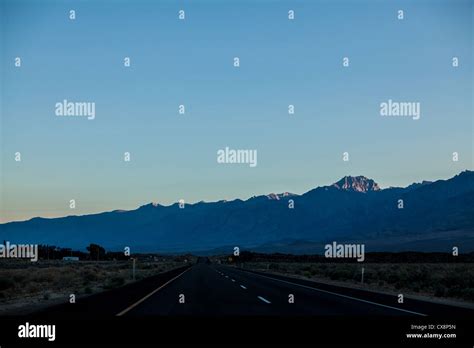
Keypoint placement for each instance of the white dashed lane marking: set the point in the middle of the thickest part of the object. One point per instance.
(263, 299)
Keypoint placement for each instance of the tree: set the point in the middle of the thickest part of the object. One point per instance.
(96, 252)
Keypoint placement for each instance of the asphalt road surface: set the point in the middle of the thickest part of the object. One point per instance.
(196, 297)
(213, 290)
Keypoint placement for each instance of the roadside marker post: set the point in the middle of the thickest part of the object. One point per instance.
(133, 268)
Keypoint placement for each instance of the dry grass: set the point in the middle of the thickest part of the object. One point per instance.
(441, 280)
(23, 281)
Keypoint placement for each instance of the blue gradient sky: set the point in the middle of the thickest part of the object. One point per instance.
(190, 62)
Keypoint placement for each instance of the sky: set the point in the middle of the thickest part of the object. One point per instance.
(190, 62)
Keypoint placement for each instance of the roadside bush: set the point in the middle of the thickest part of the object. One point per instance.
(114, 282)
(90, 276)
(440, 291)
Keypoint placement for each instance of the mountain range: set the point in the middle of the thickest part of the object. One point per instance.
(427, 216)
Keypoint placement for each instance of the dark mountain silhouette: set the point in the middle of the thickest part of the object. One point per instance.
(435, 216)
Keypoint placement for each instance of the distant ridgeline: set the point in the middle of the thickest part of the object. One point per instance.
(428, 216)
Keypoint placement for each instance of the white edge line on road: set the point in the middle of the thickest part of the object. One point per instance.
(150, 294)
(334, 293)
(263, 299)
(243, 287)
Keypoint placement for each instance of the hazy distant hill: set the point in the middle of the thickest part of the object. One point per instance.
(436, 215)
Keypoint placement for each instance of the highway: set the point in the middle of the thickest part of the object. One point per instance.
(213, 290)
